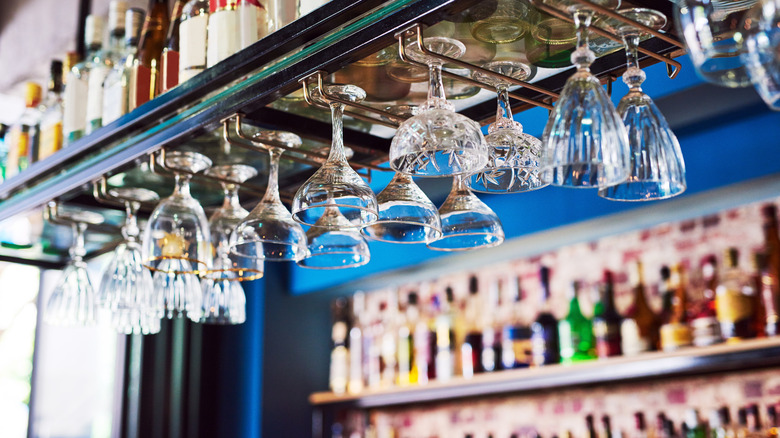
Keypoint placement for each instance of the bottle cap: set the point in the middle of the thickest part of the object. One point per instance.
(769, 211)
(731, 257)
(134, 20)
(71, 59)
(116, 15)
(93, 30)
(665, 273)
(32, 94)
(55, 76)
(450, 294)
(413, 298)
(473, 284)
(725, 415)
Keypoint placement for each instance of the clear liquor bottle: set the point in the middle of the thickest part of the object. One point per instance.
(23, 134)
(339, 356)
(77, 83)
(119, 81)
(356, 384)
(51, 119)
(103, 62)
(705, 328)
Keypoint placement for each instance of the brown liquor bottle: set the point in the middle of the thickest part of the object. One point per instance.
(734, 306)
(150, 48)
(639, 329)
(675, 333)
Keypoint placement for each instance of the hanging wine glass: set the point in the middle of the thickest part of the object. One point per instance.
(513, 156)
(657, 169)
(269, 232)
(73, 303)
(437, 141)
(761, 33)
(177, 241)
(333, 244)
(126, 288)
(584, 143)
(336, 184)
(467, 222)
(224, 301)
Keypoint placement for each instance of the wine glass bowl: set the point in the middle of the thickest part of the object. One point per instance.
(333, 244)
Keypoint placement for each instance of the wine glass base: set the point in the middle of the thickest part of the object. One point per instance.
(235, 173)
(133, 194)
(499, 30)
(445, 46)
(191, 161)
(511, 68)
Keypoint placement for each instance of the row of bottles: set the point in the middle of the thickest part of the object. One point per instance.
(407, 340)
(139, 56)
(750, 422)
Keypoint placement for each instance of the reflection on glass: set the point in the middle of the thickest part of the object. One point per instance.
(333, 244)
(510, 21)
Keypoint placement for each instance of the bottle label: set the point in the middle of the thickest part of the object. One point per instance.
(355, 384)
(544, 345)
(114, 102)
(51, 139)
(140, 86)
(192, 46)
(732, 305)
(170, 70)
(607, 338)
(632, 342)
(252, 18)
(95, 94)
(75, 106)
(223, 40)
(339, 366)
(222, 5)
(675, 335)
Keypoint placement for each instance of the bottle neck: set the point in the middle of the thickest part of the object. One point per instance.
(116, 40)
(92, 49)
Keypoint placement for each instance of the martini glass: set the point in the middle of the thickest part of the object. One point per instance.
(126, 288)
(336, 184)
(437, 141)
(657, 168)
(269, 232)
(585, 143)
(177, 241)
(333, 244)
(513, 160)
(72, 303)
(467, 222)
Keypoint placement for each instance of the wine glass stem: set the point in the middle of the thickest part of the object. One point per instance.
(435, 83)
(633, 77)
(272, 191)
(582, 17)
(131, 231)
(231, 196)
(77, 251)
(504, 110)
(182, 185)
(337, 148)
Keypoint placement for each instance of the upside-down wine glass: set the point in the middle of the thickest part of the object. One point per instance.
(177, 241)
(585, 142)
(657, 168)
(126, 288)
(72, 303)
(437, 141)
(336, 184)
(333, 244)
(467, 222)
(513, 160)
(224, 301)
(269, 232)
(761, 58)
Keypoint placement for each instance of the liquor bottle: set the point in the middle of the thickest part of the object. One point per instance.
(576, 332)
(169, 62)
(356, 384)
(742, 431)
(51, 119)
(639, 329)
(512, 348)
(445, 347)
(471, 349)
(490, 357)
(661, 428)
(544, 330)
(120, 80)
(640, 427)
(24, 132)
(772, 424)
(754, 422)
(253, 22)
(372, 346)
(192, 39)
(705, 328)
(424, 345)
(675, 332)
(606, 320)
(3, 149)
(694, 427)
(150, 47)
(591, 426)
(733, 303)
(772, 246)
(339, 356)
(224, 37)
(407, 371)
(456, 311)
(389, 349)
(758, 323)
(606, 424)
(104, 62)
(77, 83)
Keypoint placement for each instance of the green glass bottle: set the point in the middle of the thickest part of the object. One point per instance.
(576, 332)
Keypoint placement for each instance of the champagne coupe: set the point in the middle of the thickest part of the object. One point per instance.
(72, 303)
(467, 222)
(177, 240)
(223, 297)
(269, 232)
(336, 184)
(585, 143)
(762, 60)
(657, 169)
(513, 161)
(333, 244)
(437, 141)
(126, 288)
